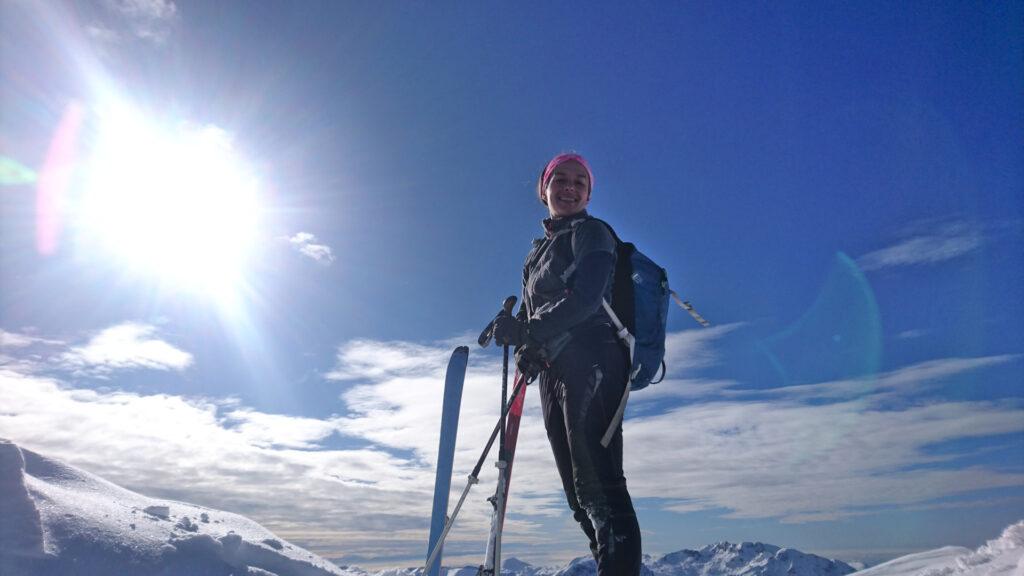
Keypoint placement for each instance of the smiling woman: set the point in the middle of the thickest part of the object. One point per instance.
(175, 202)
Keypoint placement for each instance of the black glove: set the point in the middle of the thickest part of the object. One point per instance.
(509, 330)
(530, 361)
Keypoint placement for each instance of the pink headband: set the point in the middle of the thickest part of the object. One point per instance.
(562, 159)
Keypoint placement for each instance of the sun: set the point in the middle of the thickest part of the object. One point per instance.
(173, 201)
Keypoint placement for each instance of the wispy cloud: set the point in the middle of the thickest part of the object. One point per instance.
(376, 360)
(17, 340)
(126, 346)
(926, 243)
(306, 244)
(902, 381)
(796, 461)
(969, 504)
(150, 20)
(688, 350)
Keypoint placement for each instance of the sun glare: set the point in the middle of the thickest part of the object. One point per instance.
(172, 201)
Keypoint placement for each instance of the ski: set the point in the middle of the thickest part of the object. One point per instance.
(499, 501)
(453, 382)
(515, 414)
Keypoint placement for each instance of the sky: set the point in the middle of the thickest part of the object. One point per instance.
(238, 242)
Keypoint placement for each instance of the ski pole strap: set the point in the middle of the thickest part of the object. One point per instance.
(685, 305)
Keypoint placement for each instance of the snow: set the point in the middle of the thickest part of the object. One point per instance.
(913, 564)
(1003, 556)
(57, 519)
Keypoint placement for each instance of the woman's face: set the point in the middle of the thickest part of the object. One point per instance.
(568, 190)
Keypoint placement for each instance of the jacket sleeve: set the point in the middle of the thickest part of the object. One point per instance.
(593, 260)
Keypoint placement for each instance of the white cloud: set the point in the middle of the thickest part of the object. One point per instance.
(267, 430)
(126, 346)
(306, 244)
(911, 334)
(150, 20)
(145, 9)
(370, 359)
(16, 340)
(115, 22)
(935, 243)
(692, 349)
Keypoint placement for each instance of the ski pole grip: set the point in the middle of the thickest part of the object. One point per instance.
(506, 308)
(508, 305)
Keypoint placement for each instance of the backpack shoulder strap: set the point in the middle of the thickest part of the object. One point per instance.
(606, 225)
(572, 228)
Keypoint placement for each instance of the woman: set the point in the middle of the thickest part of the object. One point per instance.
(563, 335)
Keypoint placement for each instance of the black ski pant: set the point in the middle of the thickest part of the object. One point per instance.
(579, 395)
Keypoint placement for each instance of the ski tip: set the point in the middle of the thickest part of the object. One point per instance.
(461, 350)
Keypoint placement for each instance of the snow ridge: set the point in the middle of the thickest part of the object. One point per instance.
(57, 519)
(21, 530)
(1002, 555)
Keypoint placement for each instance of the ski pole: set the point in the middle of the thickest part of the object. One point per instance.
(474, 476)
(506, 308)
(492, 560)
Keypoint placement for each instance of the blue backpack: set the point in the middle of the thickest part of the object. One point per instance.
(639, 310)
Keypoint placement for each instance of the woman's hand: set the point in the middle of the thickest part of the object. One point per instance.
(530, 361)
(509, 331)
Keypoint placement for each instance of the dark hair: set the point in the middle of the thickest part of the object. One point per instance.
(540, 186)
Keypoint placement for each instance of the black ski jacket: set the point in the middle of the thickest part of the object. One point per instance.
(566, 275)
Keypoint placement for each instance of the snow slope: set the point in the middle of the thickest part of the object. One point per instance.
(57, 519)
(1003, 556)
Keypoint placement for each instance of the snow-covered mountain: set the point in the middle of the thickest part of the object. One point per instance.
(57, 519)
(722, 559)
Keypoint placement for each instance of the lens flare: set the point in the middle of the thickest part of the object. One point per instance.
(838, 337)
(55, 178)
(14, 173)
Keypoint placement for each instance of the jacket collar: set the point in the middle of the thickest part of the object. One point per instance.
(553, 226)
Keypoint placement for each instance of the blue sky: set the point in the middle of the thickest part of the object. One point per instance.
(836, 187)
